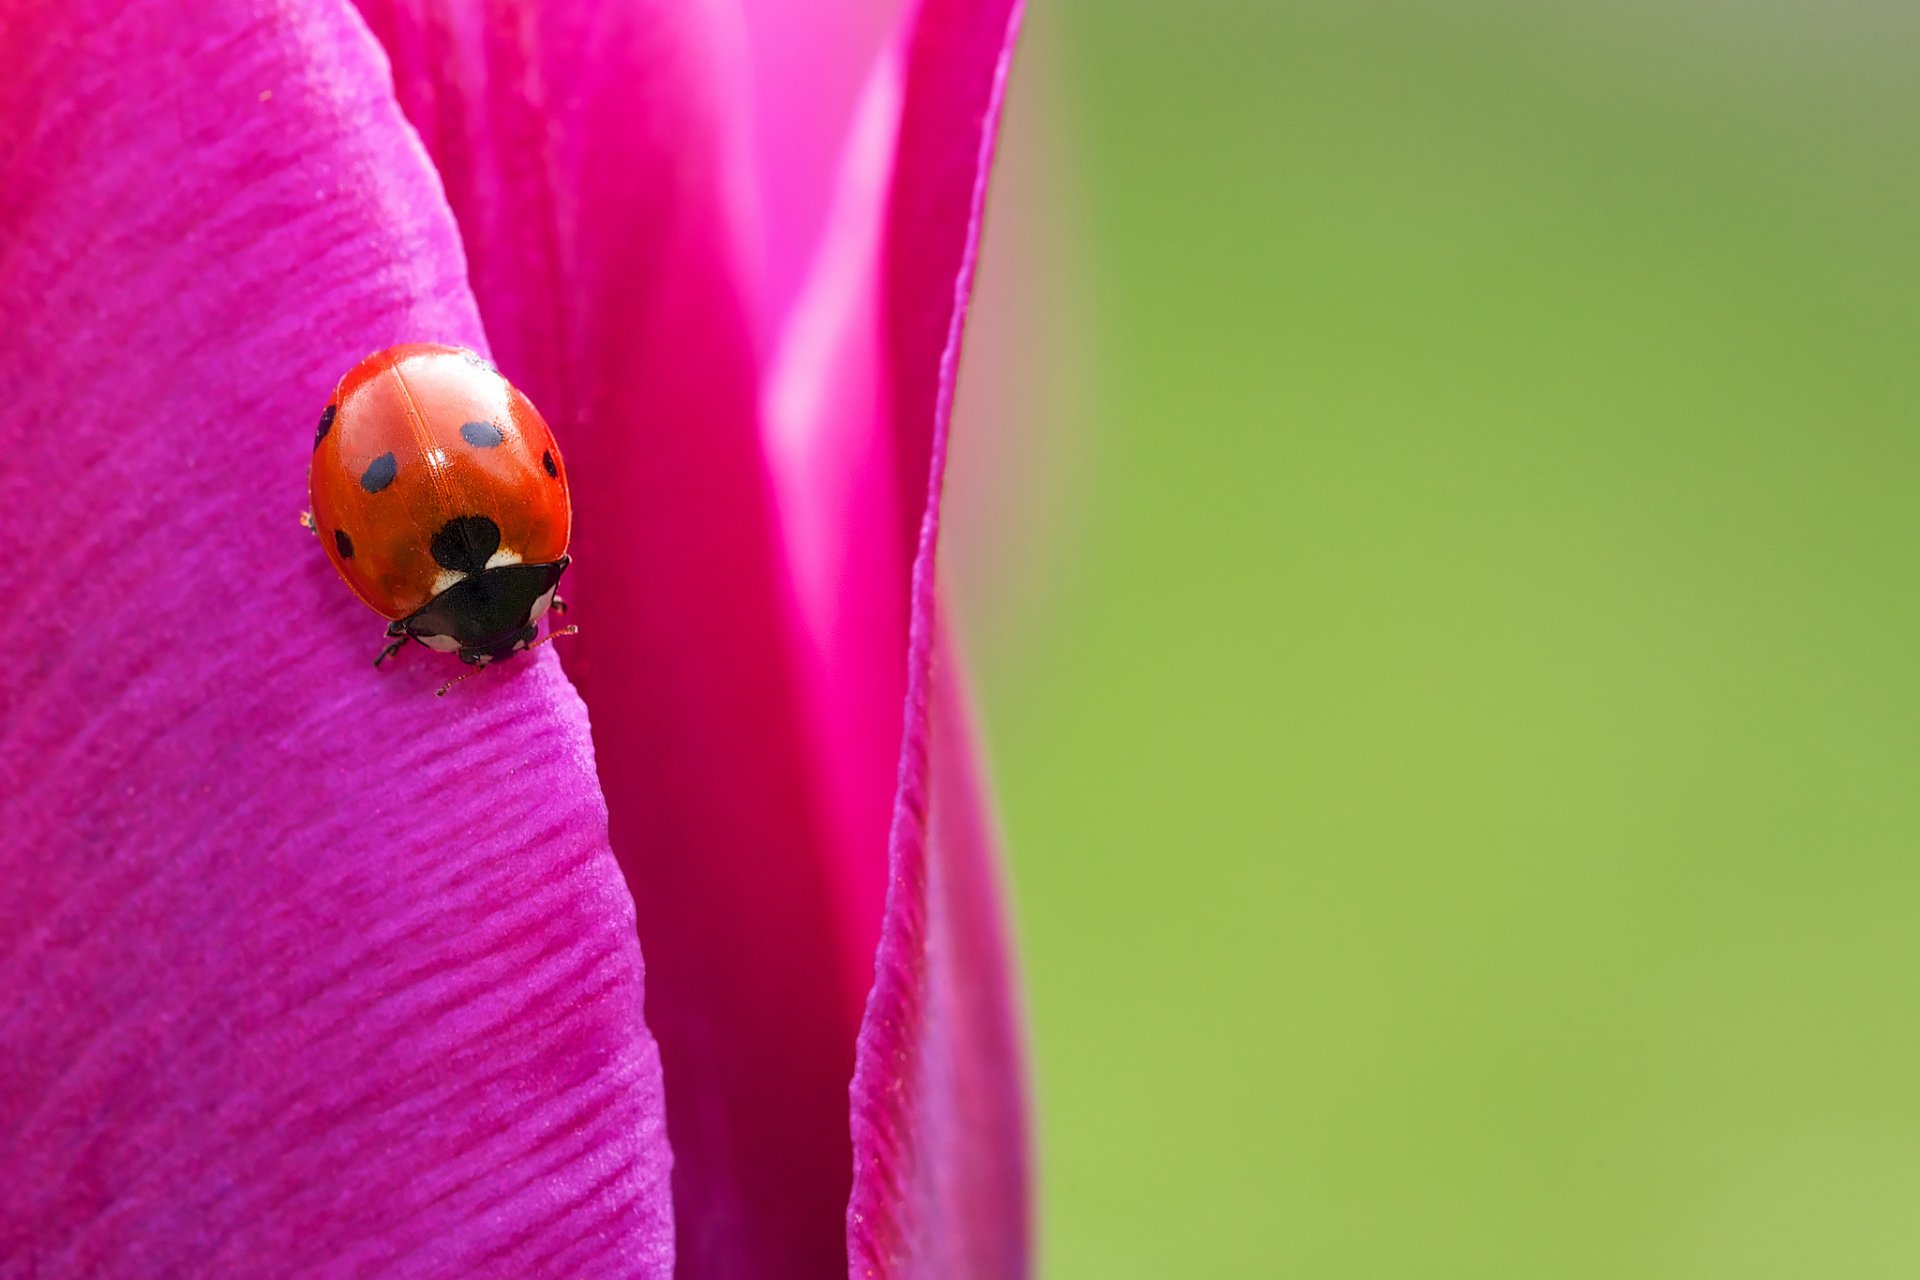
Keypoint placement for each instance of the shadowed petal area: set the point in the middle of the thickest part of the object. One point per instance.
(594, 154)
(303, 971)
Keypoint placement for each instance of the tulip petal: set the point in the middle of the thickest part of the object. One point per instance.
(858, 413)
(594, 153)
(306, 972)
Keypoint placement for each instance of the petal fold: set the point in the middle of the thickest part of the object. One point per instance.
(305, 970)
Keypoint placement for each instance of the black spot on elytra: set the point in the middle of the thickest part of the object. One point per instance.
(379, 473)
(326, 424)
(546, 460)
(481, 435)
(465, 543)
(342, 541)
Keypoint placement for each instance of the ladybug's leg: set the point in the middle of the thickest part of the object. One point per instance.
(398, 631)
(306, 522)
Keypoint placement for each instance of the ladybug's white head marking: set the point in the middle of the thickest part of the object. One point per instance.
(448, 577)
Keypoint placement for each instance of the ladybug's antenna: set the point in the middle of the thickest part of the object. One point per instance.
(551, 635)
(442, 691)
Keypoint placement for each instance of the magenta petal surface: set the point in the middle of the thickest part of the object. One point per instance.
(595, 154)
(302, 970)
(940, 1158)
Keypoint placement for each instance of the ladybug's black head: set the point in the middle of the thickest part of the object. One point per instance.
(506, 647)
(487, 615)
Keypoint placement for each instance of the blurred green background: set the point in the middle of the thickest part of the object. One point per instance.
(1433, 517)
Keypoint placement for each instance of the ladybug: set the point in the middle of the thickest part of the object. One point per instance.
(440, 497)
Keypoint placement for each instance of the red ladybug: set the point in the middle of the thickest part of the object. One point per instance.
(439, 495)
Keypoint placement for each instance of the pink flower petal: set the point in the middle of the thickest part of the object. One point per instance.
(594, 153)
(307, 972)
(858, 413)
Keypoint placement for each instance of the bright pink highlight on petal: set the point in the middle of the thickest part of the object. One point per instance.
(307, 971)
(809, 61)
(831, 448)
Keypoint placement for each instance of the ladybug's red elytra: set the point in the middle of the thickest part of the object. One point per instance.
(441, 498)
